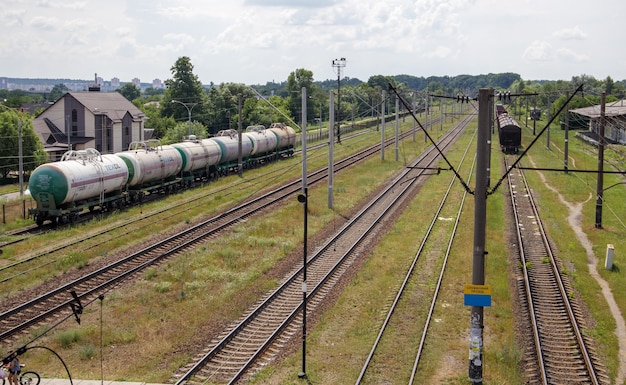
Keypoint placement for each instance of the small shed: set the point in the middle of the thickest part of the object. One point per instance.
(615, 120)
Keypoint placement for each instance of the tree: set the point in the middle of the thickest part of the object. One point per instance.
(223, 104)
(33, 153)
(185, 88)
(58, 91)
(155, 121)
(130, 91)
(300, 78)
(608, 85)
(181, 130)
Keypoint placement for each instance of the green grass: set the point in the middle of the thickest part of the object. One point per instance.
(338, 345)
(580, 188)
(148, 325)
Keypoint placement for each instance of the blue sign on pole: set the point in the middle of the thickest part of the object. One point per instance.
(477, 295)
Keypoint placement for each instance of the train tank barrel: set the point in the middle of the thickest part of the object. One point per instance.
(286, 136)
(150, 162)
(80, 175)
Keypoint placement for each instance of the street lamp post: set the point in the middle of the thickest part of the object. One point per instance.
(19, 149)
(189, 107)
(339, 64)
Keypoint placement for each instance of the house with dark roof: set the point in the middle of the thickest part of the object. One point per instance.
(615, 120)
(106, 121)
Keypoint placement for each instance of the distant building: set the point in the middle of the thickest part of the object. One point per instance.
(157, 84)
(115, 83)
(136, 82)
(615, 120)
(106, 121)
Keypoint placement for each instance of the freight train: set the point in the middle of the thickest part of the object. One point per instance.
(86, 179)
(509, 132)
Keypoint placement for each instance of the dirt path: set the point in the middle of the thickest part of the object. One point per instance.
(574, 220)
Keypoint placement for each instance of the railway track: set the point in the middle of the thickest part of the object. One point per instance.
(258, 337)
(557, 351)
(409, 315)
(26, 233)
(20, 317)
(26, 263)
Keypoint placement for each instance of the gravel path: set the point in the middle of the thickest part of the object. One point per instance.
(574, 220)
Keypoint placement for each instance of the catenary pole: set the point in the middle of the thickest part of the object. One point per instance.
(396, 138)
(480, 215)
(566, 144)
(331, 147)
(382, 127)
(600, 185)
(303, 198)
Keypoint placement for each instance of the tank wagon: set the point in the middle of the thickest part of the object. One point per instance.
(80, 179)
(87, 179)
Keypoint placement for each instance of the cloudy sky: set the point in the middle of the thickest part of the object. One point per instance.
(256, 41)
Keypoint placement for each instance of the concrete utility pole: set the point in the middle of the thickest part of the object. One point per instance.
(396, 139)
(480, 218)
(382, 127)
(566, 144)
(339, 64)
(600, 185)
(331, 147)
(239, 144)
(304, 199)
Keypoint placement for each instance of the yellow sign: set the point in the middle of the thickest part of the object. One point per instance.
(477, 289)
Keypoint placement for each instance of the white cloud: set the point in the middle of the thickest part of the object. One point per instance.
(439, 53)
(254, 41)
(571, 34)
(538, 50)
(568, 55)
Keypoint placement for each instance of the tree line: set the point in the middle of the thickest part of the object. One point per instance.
(188, 106)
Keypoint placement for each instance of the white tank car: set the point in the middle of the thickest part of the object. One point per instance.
(228, 141)
(286, 135)
(198, 154)
(80, 175)
(263, 141)
(149, 161)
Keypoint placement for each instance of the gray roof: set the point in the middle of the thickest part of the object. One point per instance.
(113, 104)
(616, 108)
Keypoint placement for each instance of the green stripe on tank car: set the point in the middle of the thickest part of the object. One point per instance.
(222, 150)
(49, 179)
(131, 168)
(182, 155)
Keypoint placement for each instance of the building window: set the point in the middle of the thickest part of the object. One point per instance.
(74, 122)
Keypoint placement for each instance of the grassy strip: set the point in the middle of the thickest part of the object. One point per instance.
(146, 327)
(338, 345)
(580, 188)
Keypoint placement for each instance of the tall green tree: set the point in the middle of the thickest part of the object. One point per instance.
(32, 149)
(223, 104)
(58, 91)
(130, 91)
(187, 90)
(298, 79)
(181, 130)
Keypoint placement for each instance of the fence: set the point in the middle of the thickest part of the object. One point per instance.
(13, 210)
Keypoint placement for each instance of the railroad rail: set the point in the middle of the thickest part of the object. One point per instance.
(558, 352)
(41, 258)
(20, 317)
(259, 336)
(424, 283)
